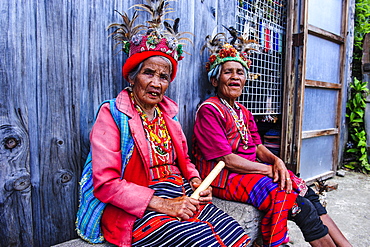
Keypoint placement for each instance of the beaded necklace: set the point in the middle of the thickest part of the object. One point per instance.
(156, 132)
(239, 121)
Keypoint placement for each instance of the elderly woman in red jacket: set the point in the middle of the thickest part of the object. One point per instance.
(140, 166)
(225, 130)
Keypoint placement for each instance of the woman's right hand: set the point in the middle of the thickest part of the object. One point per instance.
(182, 207)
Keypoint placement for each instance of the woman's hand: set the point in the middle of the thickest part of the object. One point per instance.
(277, 171)
(281, 175)
(205, 195)
(182, 207)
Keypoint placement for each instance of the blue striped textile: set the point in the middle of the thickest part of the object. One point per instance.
(209, 227)
(90, 208)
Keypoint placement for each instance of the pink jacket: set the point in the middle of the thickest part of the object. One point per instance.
(127, 200)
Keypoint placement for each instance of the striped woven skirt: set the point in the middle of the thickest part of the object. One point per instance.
(209, 227)
(261, 192)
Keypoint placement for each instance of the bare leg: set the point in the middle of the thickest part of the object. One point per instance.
(334, 232)
(325, 241)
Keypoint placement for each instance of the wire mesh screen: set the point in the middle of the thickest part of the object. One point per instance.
(265, 22)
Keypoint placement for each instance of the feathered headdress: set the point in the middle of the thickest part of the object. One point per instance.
(158, 37)
(222, 51)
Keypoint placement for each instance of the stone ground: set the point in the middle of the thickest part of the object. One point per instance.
(349, 207)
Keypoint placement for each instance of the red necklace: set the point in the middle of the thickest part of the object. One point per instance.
(156, 132)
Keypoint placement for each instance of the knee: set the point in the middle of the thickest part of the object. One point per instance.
(315, 200)
(308, 220)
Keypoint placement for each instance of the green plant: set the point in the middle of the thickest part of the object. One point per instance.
(362, 27)
(356, 147)
(355, 156)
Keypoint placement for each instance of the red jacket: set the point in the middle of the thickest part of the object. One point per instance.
(126, 199)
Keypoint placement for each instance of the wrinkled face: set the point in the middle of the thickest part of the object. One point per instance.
(231, 82)
(151, 82)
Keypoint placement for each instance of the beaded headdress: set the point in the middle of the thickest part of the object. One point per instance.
(158, 37)
(222, 51)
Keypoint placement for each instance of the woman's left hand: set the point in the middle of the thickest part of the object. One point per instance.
(205, 195)
(281, 175)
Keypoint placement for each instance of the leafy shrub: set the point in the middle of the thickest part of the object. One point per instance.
(356, 153)
(356, 150)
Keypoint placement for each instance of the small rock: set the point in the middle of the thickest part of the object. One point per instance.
(341, 173)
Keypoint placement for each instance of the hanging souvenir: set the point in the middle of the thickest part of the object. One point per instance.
(276, 39)
(247, 30)
(262, 33)
(267, 45)
(280, 43)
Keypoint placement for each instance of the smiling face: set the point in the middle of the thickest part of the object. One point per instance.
(151, 83)
(231, 82)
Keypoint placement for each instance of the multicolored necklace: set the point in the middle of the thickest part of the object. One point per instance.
(156, 132)
(239, 121)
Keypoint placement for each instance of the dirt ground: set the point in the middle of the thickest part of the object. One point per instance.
(349, 207)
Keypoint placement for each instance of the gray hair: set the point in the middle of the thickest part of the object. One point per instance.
(133, 73)
(216, 72)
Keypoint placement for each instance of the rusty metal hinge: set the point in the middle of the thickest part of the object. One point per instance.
(298, 39)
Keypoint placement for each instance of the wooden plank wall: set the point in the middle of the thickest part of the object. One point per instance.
(56, 66)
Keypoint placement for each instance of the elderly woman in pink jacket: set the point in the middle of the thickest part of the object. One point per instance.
(140, 167)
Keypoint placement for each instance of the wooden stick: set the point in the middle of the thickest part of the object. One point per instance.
(208, 180)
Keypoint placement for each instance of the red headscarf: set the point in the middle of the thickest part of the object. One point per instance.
(135, 59)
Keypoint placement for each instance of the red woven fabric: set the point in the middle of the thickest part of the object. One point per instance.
(260, 191)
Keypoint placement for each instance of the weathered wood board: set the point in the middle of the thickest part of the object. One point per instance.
(56, 66)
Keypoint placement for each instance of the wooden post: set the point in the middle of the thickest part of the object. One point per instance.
(366, 61)
(366, 77)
